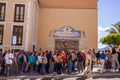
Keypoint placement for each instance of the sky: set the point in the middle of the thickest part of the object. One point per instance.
(108, 13)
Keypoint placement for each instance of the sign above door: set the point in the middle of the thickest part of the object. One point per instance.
(67, 32)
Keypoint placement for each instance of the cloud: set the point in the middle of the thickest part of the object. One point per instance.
(102, 29)
(102, 33)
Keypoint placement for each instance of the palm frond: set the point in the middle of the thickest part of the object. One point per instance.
(111, 30)
(117, 27)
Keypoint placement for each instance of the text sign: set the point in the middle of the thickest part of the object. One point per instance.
(67, 32)
(14, 39)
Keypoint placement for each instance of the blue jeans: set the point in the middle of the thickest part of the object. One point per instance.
(92, 65)
(63, 66)
(43, 69)
(70, 67)
(23, 66)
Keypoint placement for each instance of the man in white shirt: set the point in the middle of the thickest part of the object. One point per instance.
(8, 62)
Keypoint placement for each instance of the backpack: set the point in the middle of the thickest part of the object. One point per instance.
(21, 59)
(80, 57)
(69, 57)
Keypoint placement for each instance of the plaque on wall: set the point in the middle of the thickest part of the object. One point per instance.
(67, 32)
(83, 44)
(50, 44)
(65, 44)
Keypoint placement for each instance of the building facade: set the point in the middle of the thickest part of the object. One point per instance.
(48, 24)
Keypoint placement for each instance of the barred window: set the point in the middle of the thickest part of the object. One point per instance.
(2, 11)
(1, 33)
(18, 32)
(19, 13)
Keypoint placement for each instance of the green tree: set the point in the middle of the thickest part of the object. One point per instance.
(111, 39)
(114, 29)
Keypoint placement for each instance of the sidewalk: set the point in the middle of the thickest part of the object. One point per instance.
(95, 73)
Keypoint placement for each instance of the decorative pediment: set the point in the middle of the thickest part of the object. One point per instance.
(67, 32)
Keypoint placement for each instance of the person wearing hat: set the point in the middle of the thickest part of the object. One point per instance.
(88, 64)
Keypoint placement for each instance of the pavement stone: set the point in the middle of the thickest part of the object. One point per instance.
(74, 76)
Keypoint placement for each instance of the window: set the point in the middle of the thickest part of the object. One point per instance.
(19, 13)
(1, 33)
(18, 32)
(2, 11)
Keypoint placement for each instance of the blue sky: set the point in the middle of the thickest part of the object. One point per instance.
(108, 13)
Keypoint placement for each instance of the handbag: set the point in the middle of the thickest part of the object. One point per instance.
(37, 62)
(45, 61)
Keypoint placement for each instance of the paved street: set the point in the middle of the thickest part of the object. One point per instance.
(75, 76)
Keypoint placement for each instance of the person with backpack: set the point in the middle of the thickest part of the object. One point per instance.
(80, 60)
(69, 61)
(22, 60)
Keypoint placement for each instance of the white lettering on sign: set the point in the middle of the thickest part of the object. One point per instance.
(67, 32)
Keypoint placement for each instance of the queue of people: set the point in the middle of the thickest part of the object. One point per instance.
(58, 62)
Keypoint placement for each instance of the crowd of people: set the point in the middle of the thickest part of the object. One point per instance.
(57, 62)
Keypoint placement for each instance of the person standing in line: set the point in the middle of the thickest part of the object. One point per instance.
(88, 63)
(114, 59)
(0, 61)
(15, 62)
(69, 61)
(63, 54)
(39, 62)
(44, 62)
(84, 56)
(59, 62)
(22, 61)
(108, 61)
(102, 60)
(119, 57)
(32, 61)
(91, 53)
(49, 61)
(97, 57)
(8, 62)
(74, 59)
(3, 63)
(80, 60)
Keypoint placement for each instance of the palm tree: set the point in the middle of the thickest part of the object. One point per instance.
(114, 29)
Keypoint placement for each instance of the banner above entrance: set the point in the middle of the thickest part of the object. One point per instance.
(67, 32)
